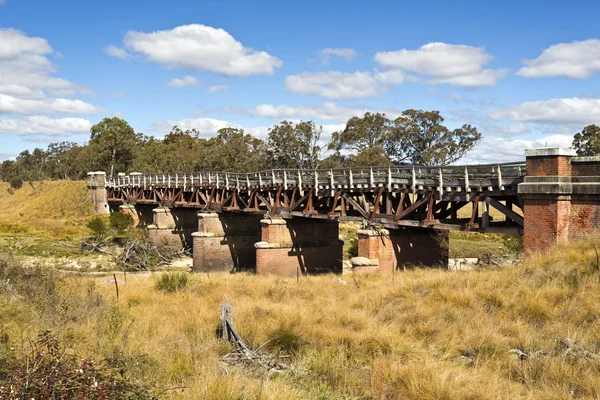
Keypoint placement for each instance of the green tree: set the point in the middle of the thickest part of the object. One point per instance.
(370, 140)
(113, 141)
(587, 142)
(294, 145)
(237, 151)
(420, 136)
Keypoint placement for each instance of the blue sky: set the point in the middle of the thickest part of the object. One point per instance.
(525, 73)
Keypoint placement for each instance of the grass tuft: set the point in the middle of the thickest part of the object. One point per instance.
(171, 282)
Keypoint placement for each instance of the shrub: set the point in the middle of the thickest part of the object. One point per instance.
(51, 372)
(171, 282)
(352, 250)
(120, 222)
(286, 339)
(513, 243)
(16, 182)
(97, 226)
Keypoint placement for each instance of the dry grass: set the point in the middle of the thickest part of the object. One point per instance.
(426, 334)
(53, 208)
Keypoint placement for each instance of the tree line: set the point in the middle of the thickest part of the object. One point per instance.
(415, 137)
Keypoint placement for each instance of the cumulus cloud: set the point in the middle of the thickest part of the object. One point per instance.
(27, 86)
(201, 48)
(14, 105)
(494, 149)
(577, 60)
(326, 112)
(183, 82)
(554, 111)
(345, 53)
(217, 88)
(458, 65)
(42, 125)
(206, 126)
(334, 84)
(118, 52)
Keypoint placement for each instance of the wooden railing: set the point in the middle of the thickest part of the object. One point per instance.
(447, 178)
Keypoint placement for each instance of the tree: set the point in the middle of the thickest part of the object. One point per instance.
(587, 142)
(421, 136)
(237, 151)
(295, 145)
(113, 141)
(369, 138)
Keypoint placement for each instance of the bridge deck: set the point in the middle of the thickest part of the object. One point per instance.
(390, 196)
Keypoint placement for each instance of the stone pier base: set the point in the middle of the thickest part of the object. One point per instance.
(97, 189)
(299, 246)
(383, 251)
(172, 227)
(225, 242)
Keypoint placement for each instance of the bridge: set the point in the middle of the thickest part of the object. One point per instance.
(285, 221)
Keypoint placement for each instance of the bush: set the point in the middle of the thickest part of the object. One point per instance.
(50, 372)
(120, 222)
(16, 182)
(513, 243)
(97, 226)
(171, 282)
(284, 338)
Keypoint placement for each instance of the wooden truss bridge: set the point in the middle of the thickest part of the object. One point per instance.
(392, 197)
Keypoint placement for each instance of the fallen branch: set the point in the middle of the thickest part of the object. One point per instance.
(142, 255)
(242, 354)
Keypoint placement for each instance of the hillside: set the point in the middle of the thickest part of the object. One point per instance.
(54, 208)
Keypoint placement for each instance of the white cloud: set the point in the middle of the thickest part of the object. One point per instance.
(206, 126)
(42, 125)
(201, 48)
(334, 84)
(553, 111)
(458, 65)
(217, 88)
(577, 60)
(345, 53)
(118, 52)
(509, 150)
(183, 82)
(14, 105)
(326, 112)
(26, 86)
(391, 77)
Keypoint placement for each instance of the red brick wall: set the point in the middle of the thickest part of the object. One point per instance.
(585, 168)
(405, 248)
(546, 222)
(224, 253)
(310, 260)
(584, 219)
(548, 166)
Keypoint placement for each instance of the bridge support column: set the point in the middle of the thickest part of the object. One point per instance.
(299, 246)
(225, 242)
(561, 198)
(383, 251)
(172, 227)
(97, 188)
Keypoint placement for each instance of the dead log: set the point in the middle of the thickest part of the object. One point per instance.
(242, 354)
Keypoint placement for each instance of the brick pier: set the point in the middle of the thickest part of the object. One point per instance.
(385, 250)
(289, 247)
(561, 196)
(225, 242)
